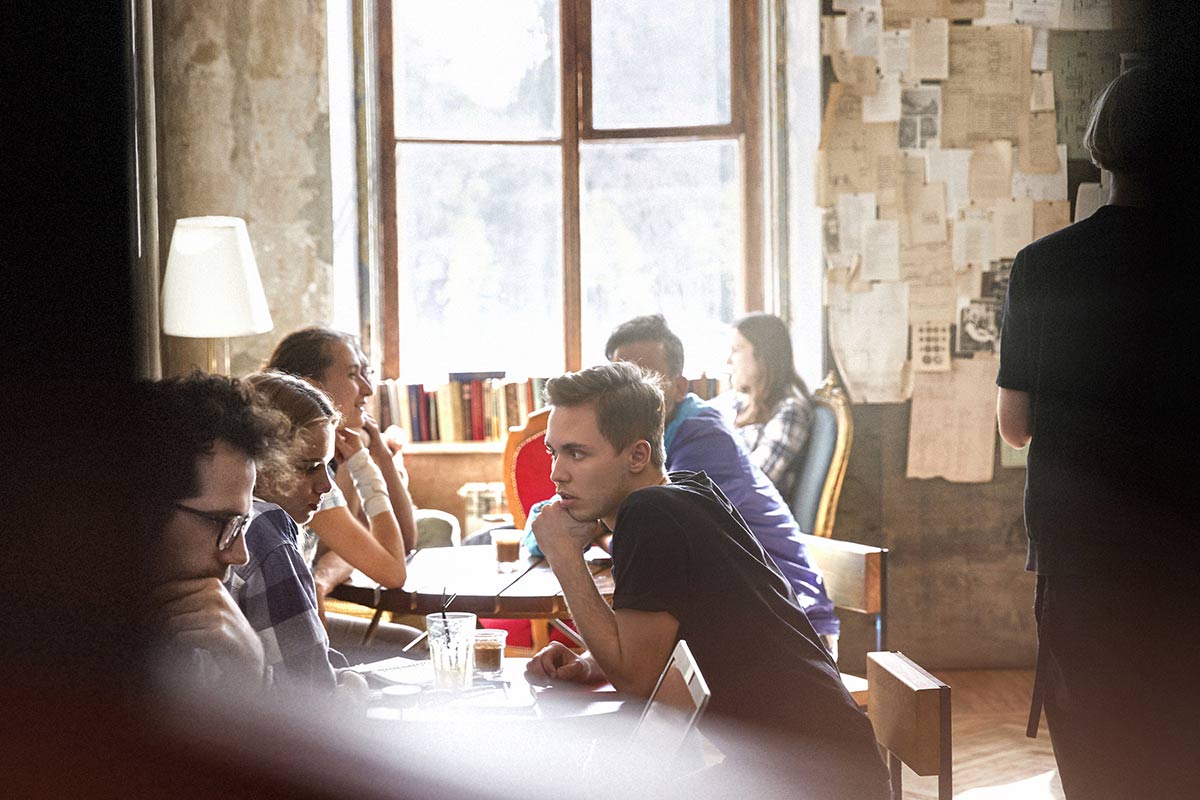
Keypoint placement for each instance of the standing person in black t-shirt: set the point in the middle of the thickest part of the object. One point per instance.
(687, 567)
(1095, 377)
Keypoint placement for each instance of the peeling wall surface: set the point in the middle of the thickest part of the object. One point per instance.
(243, 126)
(958, 593)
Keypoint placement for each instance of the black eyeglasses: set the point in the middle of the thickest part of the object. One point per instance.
(230, 527)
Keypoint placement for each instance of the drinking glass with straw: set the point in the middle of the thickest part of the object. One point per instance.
(451, 636)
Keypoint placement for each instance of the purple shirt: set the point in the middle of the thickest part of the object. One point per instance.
(698, 439)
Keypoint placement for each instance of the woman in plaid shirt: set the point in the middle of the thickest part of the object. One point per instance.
(274, 589)
(773, 405)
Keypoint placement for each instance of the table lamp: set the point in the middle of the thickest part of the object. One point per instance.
(212, 289)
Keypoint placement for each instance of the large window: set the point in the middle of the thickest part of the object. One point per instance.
(554, 168)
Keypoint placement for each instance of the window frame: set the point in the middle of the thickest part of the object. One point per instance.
(744, 127)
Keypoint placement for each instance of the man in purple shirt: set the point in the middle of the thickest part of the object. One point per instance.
(698, 439)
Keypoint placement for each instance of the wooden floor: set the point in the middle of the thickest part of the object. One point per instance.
(992, 757)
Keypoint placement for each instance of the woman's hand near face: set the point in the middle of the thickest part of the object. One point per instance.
(375, 442)
(347, 442)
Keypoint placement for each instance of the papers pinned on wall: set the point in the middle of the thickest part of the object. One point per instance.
(930, 52)
(1012, 226)
(952, 429)
(1050, 216)
(1044, 185)
(990, 176)
(920, 116)
(868, 334)
(1038, 13)
(895, 53)
(931, 347)
(884, 105)
(1088, 198)
(880, 250)
(988, 84)
(1041, 92)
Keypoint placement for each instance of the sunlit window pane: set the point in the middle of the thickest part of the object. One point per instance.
(480, 259)
(477, 69)
(661, 232)
(660, 63)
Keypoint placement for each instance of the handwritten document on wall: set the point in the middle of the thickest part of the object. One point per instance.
(988, 85)
(868, 333)
(952, 432)
(1083, 62)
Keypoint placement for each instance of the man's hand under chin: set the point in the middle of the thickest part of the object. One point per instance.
(200, 613)
(559, 533)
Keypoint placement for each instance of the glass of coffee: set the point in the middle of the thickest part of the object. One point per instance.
(489, 652)
(508, 548)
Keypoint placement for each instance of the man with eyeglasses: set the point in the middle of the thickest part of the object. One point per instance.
(198, 481)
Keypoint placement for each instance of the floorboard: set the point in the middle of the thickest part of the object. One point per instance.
(992, 757)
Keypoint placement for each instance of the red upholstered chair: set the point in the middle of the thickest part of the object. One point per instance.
(527, 467)
(527, 481)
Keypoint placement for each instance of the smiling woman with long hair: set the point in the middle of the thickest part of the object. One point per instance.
(365, 520)
(773, 405)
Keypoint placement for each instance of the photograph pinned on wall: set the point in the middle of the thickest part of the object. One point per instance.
(994, 282)
(920, 116)
(978, 327)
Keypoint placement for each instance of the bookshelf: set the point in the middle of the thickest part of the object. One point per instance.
(437, 467)
(454, 448)
(468, 408)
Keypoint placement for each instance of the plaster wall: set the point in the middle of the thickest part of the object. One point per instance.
(958, 594)
(243, 129)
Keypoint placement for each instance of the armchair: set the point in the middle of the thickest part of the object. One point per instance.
(527, 466)
(822, 468)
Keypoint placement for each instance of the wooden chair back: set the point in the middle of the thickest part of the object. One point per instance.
(855, 580)
(822, 468)
(855, 575)
(910, 712)
(527, 466)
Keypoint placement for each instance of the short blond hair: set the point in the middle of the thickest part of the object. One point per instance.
(306, 408)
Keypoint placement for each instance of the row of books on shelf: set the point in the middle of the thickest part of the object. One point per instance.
(469, 407)
(475, 406)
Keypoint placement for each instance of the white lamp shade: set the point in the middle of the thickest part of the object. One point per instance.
(212, 288)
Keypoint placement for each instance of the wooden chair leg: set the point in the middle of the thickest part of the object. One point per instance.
(370, 631)
(539, 631)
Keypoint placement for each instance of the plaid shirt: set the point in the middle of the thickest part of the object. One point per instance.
(275, 592)
(777, 444)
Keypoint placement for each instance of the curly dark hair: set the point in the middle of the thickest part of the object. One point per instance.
(648, 328)
(184, 417)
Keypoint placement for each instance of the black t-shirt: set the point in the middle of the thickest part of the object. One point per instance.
(682, 548)
(1093, 330)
